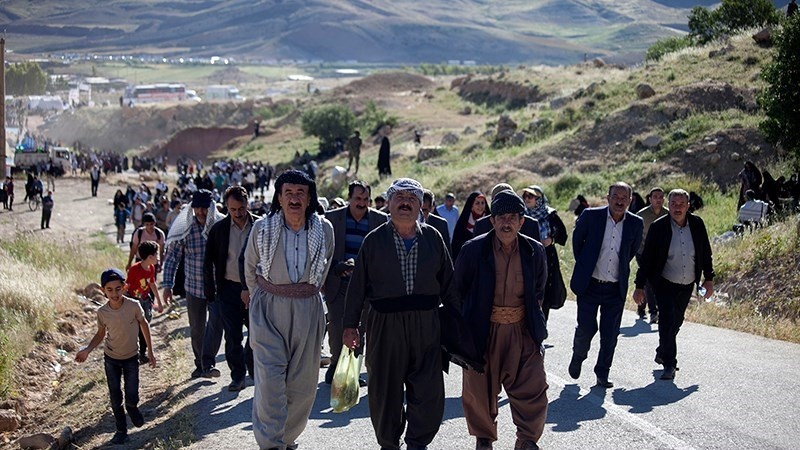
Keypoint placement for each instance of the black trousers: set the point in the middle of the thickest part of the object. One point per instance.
(404, 352)
(672, 301)
(606, 298)
(94, 187)
(116, 371)
(46, 219)
(147, 307)
(234, 316)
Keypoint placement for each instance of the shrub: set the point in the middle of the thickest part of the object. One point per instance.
(732, 16)
(373, 118)
(275, 110)
(328, 123)
(667, 45)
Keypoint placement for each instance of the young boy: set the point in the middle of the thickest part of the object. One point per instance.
(141, 286)
(120, 219)
(118, 321)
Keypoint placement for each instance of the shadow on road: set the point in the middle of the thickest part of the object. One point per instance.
(570, 409)
(658, 393)
(322, 409)
(638, 327)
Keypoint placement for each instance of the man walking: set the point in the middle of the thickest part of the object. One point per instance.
(428, 204)
(676, 253)
(449, 212)
(286, 260)
(604, 242)
(353, 148)
(94, 176)
(404, 272)
(47, 209)
(649, 214)
(350, 225)
(222, 284)
(187, 242)
(505, 315)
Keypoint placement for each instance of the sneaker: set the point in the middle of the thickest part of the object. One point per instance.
(120, 437)
(483, 444)
(324, 361)
(136, 416)
(143, 359)
(641, 313)
(211, 373)
(525, 445)
(197, 373)
(236, 385)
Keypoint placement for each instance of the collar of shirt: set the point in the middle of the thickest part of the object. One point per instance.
(612, 217)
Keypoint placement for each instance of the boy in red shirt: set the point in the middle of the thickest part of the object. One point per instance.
(141, 285)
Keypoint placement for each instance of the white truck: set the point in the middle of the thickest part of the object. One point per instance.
(62, 157)
(222, 92)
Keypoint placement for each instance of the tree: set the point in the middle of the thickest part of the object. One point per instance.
(328, 123)
(731, 17)
(781, 98)
(26, 78)
(374, 117)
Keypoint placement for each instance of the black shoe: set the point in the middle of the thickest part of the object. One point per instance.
(668, 374)
(136, 416)
(362, 382)
(236, 385)
(575, 368)
(654, 317)
(197, 373)
(659, 360)
(483, 444)
(329, 374)
(641, 313)
(143, 359)
(120, 437)
(604, 383)
(211, 373)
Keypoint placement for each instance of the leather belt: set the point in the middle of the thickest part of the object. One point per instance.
(603, 281)
(505, 315)
(295, 290)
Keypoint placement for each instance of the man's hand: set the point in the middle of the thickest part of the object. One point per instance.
(709, 287)
(350, 338)
(344, 268)
(167, 295)
(638, 296)
(547, 242)
(82, 355)
(159, 307)
(246, 299)
(152, 358)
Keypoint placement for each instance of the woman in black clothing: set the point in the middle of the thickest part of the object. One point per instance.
(475, 207)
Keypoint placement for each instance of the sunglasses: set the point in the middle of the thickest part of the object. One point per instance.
(527, 195)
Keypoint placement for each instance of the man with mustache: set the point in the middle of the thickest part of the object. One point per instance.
(501, 277)
(404, 272)
(350, 226)
(676, 252)
(604, 242)
(286, 260)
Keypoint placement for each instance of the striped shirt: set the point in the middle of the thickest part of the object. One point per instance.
(295, 246)
(192, 250)
(408, 258)
(354, 234)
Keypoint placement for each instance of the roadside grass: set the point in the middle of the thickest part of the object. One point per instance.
(36, 287)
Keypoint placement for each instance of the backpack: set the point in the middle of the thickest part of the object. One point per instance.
(138, 233)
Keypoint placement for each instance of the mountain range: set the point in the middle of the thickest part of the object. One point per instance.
(370, 31)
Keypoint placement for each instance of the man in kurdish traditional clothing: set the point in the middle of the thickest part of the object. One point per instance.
(286, 260)
(404, 271)
(501, 276)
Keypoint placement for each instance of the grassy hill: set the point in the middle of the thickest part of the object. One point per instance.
(404, 31)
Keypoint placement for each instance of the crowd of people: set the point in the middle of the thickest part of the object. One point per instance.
(374, 273)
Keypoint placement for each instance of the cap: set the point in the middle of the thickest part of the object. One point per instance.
(500, 187)
(110, 275)
(507, 202)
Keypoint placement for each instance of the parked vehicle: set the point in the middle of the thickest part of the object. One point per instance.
(223, 92)
(62, 158)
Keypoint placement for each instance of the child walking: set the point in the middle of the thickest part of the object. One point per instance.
(120, 219)
(141, 285)
(118, 322)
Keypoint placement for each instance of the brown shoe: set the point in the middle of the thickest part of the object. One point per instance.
(483, 444)
(525, 445)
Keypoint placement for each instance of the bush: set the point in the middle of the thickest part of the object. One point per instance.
(731, 17)
(275, 110)
(667, 45)
(373, 118)
(781, 98)
(25, 78)
(328, 123)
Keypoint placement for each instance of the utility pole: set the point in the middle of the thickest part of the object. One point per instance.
(3, 143)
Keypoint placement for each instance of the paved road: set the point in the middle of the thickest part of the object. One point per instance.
(734, 390)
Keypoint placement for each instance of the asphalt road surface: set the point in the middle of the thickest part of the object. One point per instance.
(733, 391)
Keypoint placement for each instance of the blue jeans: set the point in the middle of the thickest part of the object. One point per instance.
(606, 298)
(116, 370)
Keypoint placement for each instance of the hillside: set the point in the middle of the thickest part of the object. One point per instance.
(404, 31)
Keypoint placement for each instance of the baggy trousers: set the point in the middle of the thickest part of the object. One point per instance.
(286, 337)
(672, 302)
(205, 329)
(404, 351)
(606, 298)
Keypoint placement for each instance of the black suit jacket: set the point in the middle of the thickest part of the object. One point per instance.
(530, 228)
(656, 250)
(441, 226)
(338, 218)
(216, 256)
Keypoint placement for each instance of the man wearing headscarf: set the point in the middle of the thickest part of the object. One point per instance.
(504, 312)
(187, 242)
(404, 271)
(286, 260)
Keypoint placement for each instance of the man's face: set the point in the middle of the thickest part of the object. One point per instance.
(618, 200)
(449, 202)
(657, 199)
(150, 227)
(426, 209)
(359, 201)
(200, 214)
(678, 207)
(113, 290)
(379, 204)
(237, 210)
(294, 200)
(506, 226)
(404, 206)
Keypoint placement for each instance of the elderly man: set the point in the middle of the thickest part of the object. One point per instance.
(351, 224)
(676, 253)
(286, 260)
(504, 311)
(187, 242)
(222, 282)
(604, 242)
(649, 214)
(530, 226)
(404, 272)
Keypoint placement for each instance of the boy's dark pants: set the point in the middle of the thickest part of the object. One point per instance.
(116, 370)
(147, 306)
